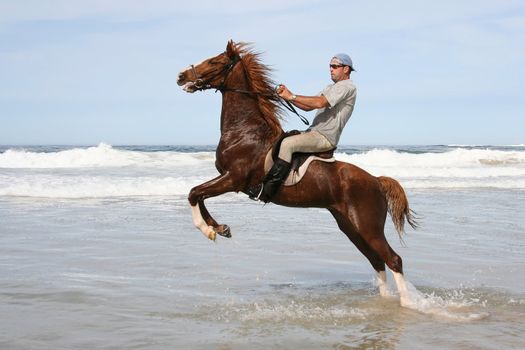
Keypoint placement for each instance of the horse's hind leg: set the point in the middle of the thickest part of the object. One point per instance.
(375, 260)
(381, 283)
(379, 244)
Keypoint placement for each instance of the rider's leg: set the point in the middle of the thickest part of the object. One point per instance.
(305, 142)
(274, 179)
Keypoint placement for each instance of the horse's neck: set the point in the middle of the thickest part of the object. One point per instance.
(241, 114)
(243, 125)
(246, 135)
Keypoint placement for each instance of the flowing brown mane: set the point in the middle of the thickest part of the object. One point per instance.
(258, 76)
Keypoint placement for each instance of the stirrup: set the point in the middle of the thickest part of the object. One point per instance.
(255, 193)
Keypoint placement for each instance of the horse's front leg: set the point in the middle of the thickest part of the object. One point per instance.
(223, 230)
(201, 217)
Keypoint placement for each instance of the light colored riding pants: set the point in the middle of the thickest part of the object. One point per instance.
(306, 142)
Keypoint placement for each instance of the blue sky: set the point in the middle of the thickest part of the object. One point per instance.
(428, 72)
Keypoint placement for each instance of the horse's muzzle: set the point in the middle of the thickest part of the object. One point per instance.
(187, 85)
(181, 79)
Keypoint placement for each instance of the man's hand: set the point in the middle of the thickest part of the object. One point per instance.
(306, 103)
(283, 92)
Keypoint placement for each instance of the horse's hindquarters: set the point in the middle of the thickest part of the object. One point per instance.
(327, 185)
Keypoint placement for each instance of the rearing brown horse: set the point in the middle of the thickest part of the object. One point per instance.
(358, 201)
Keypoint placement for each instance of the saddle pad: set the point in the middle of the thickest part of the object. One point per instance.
(295, 176)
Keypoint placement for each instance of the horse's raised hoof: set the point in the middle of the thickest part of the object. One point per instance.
(210, 233)
(224, 231)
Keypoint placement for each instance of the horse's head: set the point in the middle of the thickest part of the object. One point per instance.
(210, 73)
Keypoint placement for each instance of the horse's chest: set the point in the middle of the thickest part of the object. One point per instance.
(237, 160)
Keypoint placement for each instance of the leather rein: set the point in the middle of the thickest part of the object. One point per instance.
(204, 84)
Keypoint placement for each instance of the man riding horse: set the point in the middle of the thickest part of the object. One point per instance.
(335, 105)
(250, 126)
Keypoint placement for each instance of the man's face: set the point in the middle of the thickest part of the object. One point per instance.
(337, 70)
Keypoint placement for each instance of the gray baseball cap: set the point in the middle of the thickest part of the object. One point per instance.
(343, 58)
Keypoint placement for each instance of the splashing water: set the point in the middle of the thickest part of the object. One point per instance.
(455, 306)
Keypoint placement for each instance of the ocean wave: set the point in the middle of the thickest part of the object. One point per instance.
(104, 171)
(454, 158)
(482, 145)
(103, 155)
(55, 186)
(458, 163)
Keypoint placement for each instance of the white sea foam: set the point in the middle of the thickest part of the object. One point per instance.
(298, 313)
(103, 155)
(105, 171)
(52, 186)
(459, 168)
(514, 161)
(455, 307)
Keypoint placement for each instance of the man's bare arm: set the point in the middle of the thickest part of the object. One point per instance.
(306, 103)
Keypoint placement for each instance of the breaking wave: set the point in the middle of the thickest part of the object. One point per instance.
(106, 171)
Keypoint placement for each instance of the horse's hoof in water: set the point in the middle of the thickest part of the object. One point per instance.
(224, 231)
(405, 302)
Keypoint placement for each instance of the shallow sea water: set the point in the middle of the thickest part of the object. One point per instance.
(133, 273)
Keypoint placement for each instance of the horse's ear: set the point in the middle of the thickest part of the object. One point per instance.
(230, 49)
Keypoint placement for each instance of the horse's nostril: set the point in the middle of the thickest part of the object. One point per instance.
(180, 79)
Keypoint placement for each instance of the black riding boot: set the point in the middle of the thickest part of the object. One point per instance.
(272, 181)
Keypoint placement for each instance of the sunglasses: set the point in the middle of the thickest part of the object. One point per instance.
(335, 66)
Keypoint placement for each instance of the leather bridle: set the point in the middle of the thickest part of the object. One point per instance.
(204, 84)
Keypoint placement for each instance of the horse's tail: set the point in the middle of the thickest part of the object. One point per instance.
(397, 204)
